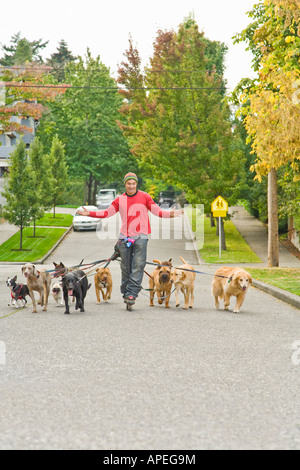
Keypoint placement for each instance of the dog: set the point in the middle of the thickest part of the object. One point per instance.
(60, 269)
(17, 292)
(160, 283)
(40, 281)
(230, 282)
(57, 293)
(75, 284)
(184, 281)
(103, 284)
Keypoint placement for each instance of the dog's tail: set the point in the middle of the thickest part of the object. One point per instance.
(183, 260)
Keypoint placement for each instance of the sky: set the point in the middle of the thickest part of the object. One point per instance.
(105, 26)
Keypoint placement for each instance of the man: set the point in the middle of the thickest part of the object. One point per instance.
(133, 206)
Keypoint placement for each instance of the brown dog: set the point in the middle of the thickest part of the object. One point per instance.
(39, 281)
(230, 282)
(160, 283)
(103, 284)
(184, 281)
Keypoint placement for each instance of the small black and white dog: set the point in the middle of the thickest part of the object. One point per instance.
(17, 292)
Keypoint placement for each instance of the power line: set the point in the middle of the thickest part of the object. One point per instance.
(66, 87)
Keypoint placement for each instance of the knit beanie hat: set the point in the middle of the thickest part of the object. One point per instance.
(130, 176)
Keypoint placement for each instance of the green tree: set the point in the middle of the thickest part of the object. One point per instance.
(180, 130)
(59, 169)
(21, 51)
(42, 180)
(58, 60)
(85, 120)
(18, 190)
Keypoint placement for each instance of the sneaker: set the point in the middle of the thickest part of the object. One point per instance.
(130, 300)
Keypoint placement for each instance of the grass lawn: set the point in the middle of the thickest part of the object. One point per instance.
(36, 247)
(60, 220)
(285, 278)
(238, 251)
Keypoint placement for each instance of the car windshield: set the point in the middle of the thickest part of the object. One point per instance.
(106, 196)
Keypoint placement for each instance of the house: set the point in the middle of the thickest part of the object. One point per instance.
(8, 141)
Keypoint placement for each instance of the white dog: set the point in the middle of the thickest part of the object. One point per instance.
(57, 293)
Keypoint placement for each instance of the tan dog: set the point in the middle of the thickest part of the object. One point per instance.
(39, 281)
(235, 282)
(103, 284)
(184, 281)
(160, 283)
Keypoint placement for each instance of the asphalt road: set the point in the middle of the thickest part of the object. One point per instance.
(153, 378)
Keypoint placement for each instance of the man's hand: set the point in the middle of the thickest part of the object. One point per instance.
(83, 211)
(176, 213)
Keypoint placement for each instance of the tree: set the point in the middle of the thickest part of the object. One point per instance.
(27, 92)
(60, 59)
(21, 51)
(180, 129)
(18, 190)
(42, 181)
(272, 114)
(59, 169)
(85, 120)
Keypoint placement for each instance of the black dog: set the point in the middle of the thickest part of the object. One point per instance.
(17, 292)
(75, 284)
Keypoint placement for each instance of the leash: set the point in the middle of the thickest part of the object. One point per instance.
(190, 270)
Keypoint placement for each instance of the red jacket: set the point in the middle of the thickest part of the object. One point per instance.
(134, 213)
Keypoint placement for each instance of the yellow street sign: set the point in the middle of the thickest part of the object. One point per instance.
(219, 207)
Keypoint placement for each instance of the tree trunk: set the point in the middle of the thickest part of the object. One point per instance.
(273, 236)
(90, 184)
(291, 229)
(95, 191)
(21, 237)
(212, 220)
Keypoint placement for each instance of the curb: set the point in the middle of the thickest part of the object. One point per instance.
(280, 294)
(193, 241)
(42, 260)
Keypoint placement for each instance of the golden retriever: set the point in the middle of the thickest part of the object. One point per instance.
(103, 283)
(39, 281)
(184, 281)
(230, 282)
(160, 283)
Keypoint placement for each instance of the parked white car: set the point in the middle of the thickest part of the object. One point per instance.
(84, 222)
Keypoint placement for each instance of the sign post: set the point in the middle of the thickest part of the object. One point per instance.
(219, 208)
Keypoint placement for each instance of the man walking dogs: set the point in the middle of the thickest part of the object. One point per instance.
(133, 206)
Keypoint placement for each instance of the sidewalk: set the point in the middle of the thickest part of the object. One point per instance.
(6, 231)
(256, 235)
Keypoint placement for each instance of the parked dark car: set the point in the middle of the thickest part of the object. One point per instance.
(167, 198)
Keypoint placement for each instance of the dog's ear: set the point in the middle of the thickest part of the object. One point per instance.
(55, 264)
(23, 269)
(250, 280)
(97, 270)
(62, 265)
(183, 275)
(15, 278)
